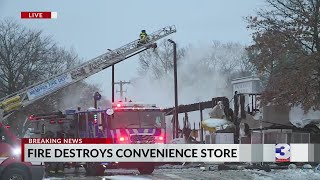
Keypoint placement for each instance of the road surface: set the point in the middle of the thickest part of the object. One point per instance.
(195, 173)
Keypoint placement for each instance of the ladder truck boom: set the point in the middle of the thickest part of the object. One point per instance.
(43, 88)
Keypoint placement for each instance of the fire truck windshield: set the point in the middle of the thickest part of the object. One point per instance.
(137, 119)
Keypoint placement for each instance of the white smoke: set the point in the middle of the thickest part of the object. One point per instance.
(70, 100)
(197, 82)
(80, 95)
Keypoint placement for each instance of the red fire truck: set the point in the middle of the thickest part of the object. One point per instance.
(26, 96)
(10, 165)
(124, 123)
(136, 123)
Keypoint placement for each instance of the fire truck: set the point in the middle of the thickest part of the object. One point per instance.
(10, 165)
(124, 123)
(28, 95)
(136, 123)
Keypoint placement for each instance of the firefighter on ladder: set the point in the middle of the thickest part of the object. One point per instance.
(143, 38)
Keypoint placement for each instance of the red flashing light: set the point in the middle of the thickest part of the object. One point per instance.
(31, 117)
(60, 121)
(159, 140)
(121, 139)
(118, 105)
(52, 121)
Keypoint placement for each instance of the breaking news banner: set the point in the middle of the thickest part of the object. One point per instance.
(101, 150)
(39, 15)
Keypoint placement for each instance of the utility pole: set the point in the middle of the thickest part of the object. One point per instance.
(112, 84)
(176, 108)
(121, 83)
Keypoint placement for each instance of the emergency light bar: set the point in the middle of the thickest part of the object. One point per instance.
(133, 105)
(46, 116)
(137, 109)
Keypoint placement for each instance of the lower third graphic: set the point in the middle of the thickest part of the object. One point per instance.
(282, 152)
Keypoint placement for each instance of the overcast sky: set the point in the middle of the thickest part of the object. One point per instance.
(93, 26)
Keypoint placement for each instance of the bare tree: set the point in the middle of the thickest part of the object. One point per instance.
(286, 48)
(203, 71)
(229, 58)
(60, 60)
(21, 50)
(159, 61)
(26, 56)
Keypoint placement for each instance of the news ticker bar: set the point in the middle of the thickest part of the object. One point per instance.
(39, 15)
(171, 153)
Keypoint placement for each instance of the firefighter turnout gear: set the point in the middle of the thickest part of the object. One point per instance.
(56, 167)
(143, 38)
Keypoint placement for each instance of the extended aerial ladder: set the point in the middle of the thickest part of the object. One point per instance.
(43, 88)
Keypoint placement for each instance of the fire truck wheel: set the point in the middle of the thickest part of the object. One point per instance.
(16, 174)
(146, 170)
(99, 170)
(94, 170)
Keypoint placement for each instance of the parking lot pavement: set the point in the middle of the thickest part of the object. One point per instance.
(195, 173)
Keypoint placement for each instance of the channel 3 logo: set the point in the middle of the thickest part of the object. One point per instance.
(283, 152)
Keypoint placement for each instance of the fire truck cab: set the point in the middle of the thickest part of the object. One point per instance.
(125, 123)
(11, 166)
(136, 123)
